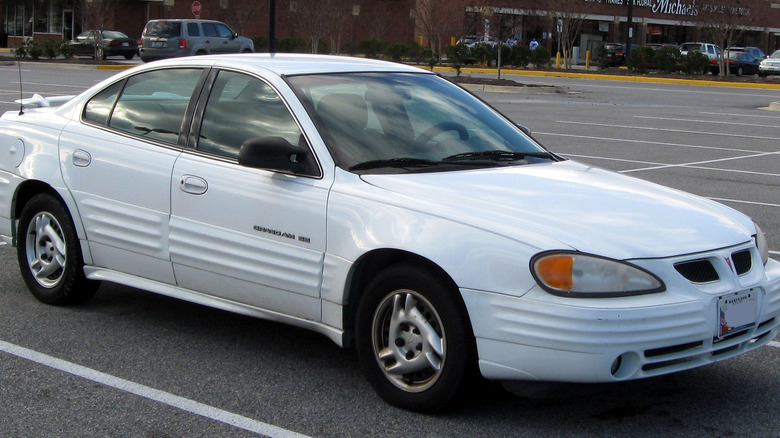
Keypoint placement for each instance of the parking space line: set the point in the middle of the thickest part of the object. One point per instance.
(696, 163)
(752, 116)
(720, 134)
(763, 204)
(660, 143)
(664, 166)
(157, 395)
(720, 122)
(774, 344)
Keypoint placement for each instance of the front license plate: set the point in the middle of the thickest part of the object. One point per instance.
(737, 312)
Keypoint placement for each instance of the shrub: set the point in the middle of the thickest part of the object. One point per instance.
(641, 58)
(540, 57)
(261, 44)
(520, 55)
(485, 53)
(21, 51)
(372, 47)
(50, 48)
(695, 63)
(292, 45)
(65, 49)
(458, 55)
(34, 50)
(668, 59)
(396, 51)
(601, 56)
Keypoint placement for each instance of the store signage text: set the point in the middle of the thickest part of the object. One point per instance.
(676, 7)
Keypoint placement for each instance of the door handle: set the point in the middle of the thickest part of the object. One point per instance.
(81, 158)
(194, 185)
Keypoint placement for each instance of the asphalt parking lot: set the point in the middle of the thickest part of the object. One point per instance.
(131, 363)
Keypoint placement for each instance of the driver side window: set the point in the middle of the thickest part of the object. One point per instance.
(240, 108)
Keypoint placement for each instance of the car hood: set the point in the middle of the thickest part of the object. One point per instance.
(572, 205)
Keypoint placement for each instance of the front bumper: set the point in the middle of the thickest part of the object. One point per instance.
(546, 338)
(773, 69)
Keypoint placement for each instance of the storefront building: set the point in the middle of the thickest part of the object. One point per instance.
(653, 21)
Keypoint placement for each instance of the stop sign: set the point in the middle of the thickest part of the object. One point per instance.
(196, 8)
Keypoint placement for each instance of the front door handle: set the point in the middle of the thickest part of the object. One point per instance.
(194, 185)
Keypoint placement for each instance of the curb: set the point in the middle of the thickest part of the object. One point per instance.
(774, 106)
(644, 79)
(542, 89)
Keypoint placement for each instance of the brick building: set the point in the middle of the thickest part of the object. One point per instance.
(661, 21)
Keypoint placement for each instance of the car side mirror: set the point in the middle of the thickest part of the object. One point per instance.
(276, 153)
(525, 130)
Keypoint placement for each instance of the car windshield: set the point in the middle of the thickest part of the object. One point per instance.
(404, 122)
(775, 55)
(166, 29)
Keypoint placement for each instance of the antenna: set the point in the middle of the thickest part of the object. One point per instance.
(21, 93)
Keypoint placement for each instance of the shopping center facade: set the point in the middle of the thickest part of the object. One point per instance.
(653, 21)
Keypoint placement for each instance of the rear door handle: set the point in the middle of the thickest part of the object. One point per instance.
(81, 158)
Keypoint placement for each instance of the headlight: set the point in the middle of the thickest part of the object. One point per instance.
(763, 247)
(574, 274)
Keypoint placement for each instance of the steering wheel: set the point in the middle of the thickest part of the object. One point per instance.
(439, 128)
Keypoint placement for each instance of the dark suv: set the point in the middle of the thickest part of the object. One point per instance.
(171, 38)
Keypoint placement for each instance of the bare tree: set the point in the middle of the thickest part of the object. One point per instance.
(438, 19)
(96, 16)
(321, 21)
(241, 14)
(567, 17)
(725, 21)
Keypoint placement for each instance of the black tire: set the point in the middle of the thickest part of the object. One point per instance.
(49, 253)
(129, 56)
(412, 317)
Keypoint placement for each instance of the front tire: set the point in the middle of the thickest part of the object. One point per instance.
(49, 253)
(413, 338)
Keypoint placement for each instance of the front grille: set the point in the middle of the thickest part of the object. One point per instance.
(743, 261)
(697, 271)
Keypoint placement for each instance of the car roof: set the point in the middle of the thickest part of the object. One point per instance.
(292, 64)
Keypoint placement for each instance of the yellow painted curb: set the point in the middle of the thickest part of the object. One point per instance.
(645, 79)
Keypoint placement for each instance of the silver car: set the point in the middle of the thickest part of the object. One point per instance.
(173, 38)
(770, 65)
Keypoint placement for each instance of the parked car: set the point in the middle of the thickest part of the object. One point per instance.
(112, 43)
(770, 65)
(472, 40)
(711, 50)
(755, 51)
(386, 208)
(173, 38)
(616, 54)
(742, 63)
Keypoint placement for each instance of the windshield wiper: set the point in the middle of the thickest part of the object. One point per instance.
(395, 162)
(496, 155)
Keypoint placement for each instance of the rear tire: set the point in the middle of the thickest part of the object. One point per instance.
(413, 338)
(49, 253)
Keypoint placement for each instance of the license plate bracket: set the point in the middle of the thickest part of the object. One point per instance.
(736, 312)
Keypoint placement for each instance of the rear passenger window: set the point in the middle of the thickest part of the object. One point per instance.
(151, 105)
(209, 29)
(240, 108)
(193, 29)
(98, 109)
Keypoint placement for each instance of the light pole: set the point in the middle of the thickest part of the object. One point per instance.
(629, 27)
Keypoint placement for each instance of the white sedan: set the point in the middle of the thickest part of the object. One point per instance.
(386, 208)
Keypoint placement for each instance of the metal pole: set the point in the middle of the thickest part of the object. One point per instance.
(272, 27)
(629, 27)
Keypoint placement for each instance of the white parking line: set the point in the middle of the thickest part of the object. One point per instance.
(163, 397)
(774, 344)
(719, 122)
(752, 116)
(644, 142)
(696, 163)
(631, 127)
